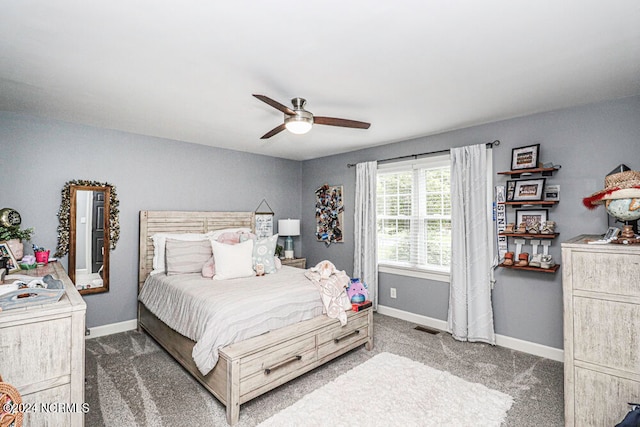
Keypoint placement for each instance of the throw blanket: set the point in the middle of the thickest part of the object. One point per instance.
(332, 285)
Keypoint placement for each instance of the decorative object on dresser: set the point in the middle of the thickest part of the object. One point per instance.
(288, 228)
(10, 262)
(11, 232)
(329, 214)
(601, 323)
(621, 197)
(42, 349)
(244, 369)
(295, 262)
(89, 229)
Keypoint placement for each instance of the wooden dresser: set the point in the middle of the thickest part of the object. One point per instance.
(601, 285)
(42, 355)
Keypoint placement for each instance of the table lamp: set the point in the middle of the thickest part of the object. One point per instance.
(288, 228)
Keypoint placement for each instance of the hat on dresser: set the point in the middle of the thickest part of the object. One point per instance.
(622, 185)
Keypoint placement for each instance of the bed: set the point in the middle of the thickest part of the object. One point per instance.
(253, 366)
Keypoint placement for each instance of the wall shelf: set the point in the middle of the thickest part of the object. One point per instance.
(544, 171)
(543, 270)
(541, 203)
(531, 235)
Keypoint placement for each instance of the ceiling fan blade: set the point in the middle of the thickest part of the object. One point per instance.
(332, 121)
(274, 131)
(275, 104)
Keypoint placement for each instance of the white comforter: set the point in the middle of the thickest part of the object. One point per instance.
(216, 313)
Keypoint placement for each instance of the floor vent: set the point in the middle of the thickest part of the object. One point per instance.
(427, 330)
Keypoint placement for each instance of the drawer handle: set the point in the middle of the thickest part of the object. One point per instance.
(281, 364)
(337, 340)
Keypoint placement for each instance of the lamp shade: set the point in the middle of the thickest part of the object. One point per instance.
(289, 227)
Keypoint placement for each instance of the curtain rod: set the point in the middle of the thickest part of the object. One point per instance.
(415, 156)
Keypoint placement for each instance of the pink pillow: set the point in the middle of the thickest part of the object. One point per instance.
(209, 268)
(229, 238)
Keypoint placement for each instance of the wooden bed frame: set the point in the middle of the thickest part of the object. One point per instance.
(252, 367)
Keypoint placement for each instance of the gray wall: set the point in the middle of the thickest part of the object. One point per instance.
(38, 156)
(588, 142)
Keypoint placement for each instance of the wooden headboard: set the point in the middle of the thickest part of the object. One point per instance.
(152, 222)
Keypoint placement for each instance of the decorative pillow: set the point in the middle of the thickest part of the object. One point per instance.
(185, 257)
(209, 268)
(229, 238)
(277, 262)
(159, 240)
(213, 235)
(233, 261)
(246, 236)
(263, 253)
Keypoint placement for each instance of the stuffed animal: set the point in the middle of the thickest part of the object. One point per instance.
(325, 269)
(357, 291)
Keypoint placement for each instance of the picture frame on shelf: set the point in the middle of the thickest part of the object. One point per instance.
(552, 193)
(525, 157)
(511, 190)
(529, 190)
(531, 216)
(5, 252)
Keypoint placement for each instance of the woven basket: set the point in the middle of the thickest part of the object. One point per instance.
(9, 394)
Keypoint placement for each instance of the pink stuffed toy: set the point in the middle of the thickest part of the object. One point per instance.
(357, 291)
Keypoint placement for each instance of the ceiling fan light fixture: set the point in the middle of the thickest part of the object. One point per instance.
(300, 123)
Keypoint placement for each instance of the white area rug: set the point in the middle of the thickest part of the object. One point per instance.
(390, 390)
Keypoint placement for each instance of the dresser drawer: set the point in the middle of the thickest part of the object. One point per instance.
(605, 272)
(51, 407)
(606, 333)
(35, 352)
(272, 363)
(337, 337)
(601, 399)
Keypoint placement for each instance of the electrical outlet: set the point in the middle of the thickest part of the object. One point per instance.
(393, 293)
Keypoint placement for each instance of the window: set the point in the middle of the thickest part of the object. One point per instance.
(414, 215)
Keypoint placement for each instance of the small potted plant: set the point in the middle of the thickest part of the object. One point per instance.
(279, 251)
(14, 237)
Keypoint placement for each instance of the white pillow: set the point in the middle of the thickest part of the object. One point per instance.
(213, 235)
(159, 242)
(233, 261)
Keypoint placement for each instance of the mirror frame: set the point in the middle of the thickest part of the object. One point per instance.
(67, 227)
(73, 189)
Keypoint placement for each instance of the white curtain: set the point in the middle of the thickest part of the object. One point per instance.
(470, 312)
(365, 256)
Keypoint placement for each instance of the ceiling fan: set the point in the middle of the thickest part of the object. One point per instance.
(298, 120)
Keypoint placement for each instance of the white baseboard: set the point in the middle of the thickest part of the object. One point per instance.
(501, 340)
(112, 328)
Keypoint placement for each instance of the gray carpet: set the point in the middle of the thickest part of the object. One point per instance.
(131, 381)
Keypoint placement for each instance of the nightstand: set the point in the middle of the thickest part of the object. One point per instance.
(296, 262)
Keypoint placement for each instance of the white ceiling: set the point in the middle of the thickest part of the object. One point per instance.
(185, 70)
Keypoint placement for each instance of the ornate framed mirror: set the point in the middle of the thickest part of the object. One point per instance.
(88, 231)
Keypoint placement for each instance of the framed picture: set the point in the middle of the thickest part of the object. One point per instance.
(329, 214)
(529, 190)
(530, 217)
(5, 252)
(611, 233)
(511, 190)
(552, 193)
(264, 225)
(525, 157)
